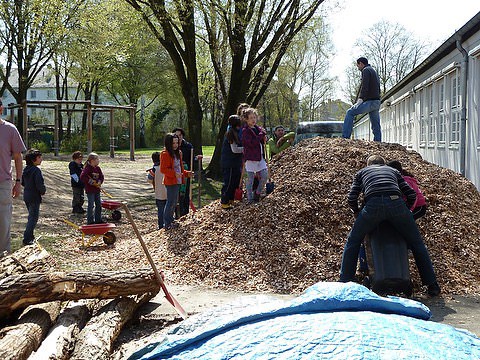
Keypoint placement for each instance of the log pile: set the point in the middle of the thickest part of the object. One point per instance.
(61, 312)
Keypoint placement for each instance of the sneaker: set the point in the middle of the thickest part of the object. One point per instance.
(226, 206)
(434, 289)
(28, 242)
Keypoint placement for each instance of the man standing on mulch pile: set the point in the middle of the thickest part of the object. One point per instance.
(368, 101)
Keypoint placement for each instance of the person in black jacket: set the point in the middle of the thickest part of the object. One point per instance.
(34, 188)
(75, 167)
(368, 101)
(231, 161)
(383, 187)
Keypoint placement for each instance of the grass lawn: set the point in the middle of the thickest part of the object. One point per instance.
(210, 189)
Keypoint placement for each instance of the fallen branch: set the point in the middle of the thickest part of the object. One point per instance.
(20, 291)
(18, 341)
(95, 340)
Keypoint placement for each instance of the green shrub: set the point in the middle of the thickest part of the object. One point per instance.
(42, 146)
(74, 142)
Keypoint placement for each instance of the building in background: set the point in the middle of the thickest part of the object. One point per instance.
(435, 109)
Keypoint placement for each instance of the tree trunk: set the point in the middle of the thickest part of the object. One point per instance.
(95, 340)
(18, 341)
(20, 291)
(26, 259)
(61, 338)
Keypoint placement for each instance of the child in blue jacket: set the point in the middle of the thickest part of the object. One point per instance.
(34, 188)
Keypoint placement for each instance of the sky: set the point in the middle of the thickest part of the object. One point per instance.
(431, 20)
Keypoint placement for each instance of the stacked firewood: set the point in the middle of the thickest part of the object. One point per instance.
(48, 314)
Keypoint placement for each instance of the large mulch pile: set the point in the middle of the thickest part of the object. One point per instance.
(295, 236)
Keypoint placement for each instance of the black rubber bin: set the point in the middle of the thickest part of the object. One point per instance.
(387, 259)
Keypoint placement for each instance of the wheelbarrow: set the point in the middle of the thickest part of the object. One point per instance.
(96, 230)
(112, 207)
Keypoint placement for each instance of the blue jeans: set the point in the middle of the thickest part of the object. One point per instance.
(376, 210)
(160, 210)
(94, 200)
(261, 183)
(172, 199)
(371, 107)
(33, 213)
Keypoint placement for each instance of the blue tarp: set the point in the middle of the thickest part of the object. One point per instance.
(329, 320)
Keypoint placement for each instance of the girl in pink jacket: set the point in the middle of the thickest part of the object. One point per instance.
(419, 208)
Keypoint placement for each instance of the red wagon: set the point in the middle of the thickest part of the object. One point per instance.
(112, 206)
(96, 230)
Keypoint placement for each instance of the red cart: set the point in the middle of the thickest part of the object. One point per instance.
(96, 230)
(113, 207)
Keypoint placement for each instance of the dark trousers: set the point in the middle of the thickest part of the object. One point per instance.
(33, 213)
(172, 198)
(160, 210)
(184, 199)
(78, 198)
(231, 180)
(376, 210)
(94, 201)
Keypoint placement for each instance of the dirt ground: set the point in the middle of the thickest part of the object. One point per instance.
(125, 180)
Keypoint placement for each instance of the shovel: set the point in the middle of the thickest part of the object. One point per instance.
(270, 186)
(159, 277)
(191, 183)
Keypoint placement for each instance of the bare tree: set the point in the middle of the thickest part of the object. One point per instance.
(352, 85)
(392, 50)
(316, 77)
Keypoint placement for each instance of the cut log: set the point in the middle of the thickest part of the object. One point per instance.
(95, 340)
(60, 340)
(31, 258)
(20, 291)
(18, 341)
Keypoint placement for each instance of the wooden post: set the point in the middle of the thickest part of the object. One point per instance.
(132, 133)
(112, 136)
(25, 123)
(89, 128)
(56, 142)
(199, 177)
(12, 115)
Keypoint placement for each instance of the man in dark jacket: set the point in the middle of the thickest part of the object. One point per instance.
(34, 188)
(368, 101)
(382, 187)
